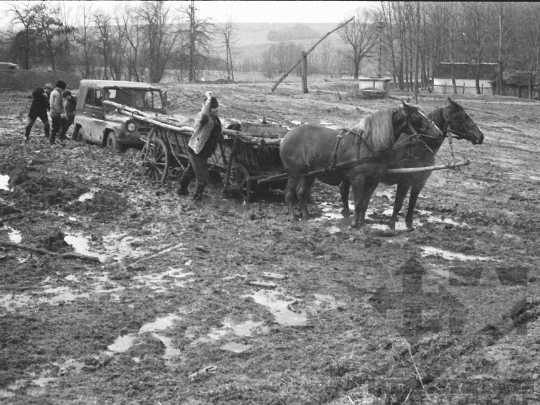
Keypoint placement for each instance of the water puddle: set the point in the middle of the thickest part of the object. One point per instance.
(118, 246)
(164, 280)
(89, 195)
(12, 302)
(14, 235)
(445, 254)
(86, 196)
(280, 306)
(81, 244)
(124, 343)
(61, 294)
(4, 182)
(333, 212)
(323, 303)
(243, 329)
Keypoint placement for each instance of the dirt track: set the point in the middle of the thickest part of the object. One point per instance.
(169, 316)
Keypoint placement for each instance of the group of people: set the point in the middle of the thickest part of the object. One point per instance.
(61, 104)
(203, 143)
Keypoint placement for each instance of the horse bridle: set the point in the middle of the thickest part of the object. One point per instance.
(413, 130)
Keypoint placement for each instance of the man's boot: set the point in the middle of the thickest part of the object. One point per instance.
(47, 128)
(27, 133)
(199, 192)
(184, 184)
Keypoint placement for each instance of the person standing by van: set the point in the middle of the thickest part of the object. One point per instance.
(58, 113)
(38, 109)
(70, 105)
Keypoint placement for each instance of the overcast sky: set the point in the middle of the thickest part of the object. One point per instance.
(241, 11)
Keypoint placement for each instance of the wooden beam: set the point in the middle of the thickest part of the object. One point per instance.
(308, 52)
(428, 168)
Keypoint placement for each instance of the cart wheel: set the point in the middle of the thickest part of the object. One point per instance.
(155, 159)
(241, 182)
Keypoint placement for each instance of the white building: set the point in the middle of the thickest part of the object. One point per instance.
(465, 75)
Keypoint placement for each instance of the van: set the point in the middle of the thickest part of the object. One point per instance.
(99, 123)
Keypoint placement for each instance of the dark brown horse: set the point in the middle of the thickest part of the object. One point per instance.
(420, 151)
(308, 148)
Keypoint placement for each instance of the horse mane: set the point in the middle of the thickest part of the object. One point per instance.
(437, 116)
(378, 129)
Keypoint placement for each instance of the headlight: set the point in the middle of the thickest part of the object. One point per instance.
(131, 127)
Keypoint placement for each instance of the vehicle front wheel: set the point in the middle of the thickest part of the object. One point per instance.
(112, 142)
(78, 135)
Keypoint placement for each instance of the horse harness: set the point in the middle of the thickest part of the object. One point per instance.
(360, 137)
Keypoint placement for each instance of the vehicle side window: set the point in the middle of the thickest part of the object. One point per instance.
(98, 101)
(89, 97)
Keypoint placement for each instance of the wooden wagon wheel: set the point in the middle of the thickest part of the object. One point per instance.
(155, 159)
(239, 178)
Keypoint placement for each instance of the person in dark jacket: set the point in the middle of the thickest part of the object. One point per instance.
(38, 109)
(201, 146)
(69, 106)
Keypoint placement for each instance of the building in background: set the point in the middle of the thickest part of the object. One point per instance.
(518, 84)
(465, 75)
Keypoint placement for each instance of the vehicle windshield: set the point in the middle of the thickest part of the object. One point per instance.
(141, 99)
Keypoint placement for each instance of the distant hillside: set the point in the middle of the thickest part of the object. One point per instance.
(252, 39)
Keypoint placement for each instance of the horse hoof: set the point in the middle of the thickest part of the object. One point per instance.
(346, 214)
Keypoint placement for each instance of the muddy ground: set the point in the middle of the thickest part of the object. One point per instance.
(227, 302)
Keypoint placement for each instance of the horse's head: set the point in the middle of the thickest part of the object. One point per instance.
(414, 122)
(461, 124)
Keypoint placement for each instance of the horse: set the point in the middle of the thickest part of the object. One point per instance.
(420, 151)
(313, 151)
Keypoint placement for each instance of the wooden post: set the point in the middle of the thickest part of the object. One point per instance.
(304, 73)
(307, 53)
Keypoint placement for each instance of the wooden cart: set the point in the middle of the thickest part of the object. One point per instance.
(246, 158)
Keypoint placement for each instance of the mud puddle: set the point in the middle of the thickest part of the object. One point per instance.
(281, 307)
(161, 282)
(118, 246)
(4, 182)
(14, 235)
(54, 295)
(333, 212)
(445, 254)
(124, 343)
(241, 329)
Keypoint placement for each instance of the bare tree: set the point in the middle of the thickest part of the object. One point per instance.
(133, 34)
(161, 36)
(228, 35)
(199, 39)
(83, 38)
(26, 15)
(49, 26)
(361, 36)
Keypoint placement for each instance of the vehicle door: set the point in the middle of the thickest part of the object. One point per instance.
(94, 115)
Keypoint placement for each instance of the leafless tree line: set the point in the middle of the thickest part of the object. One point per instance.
(409, 39)
(133, 42)
(417, 36)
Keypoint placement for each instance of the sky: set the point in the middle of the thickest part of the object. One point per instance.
(242, 11)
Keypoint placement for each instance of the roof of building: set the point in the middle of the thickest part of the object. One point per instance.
(466, 71)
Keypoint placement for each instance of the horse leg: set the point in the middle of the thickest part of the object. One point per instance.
(344, 189)
(401, 193)
(362, 191)
(290, 197)
(415, 191)
(303, 191)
